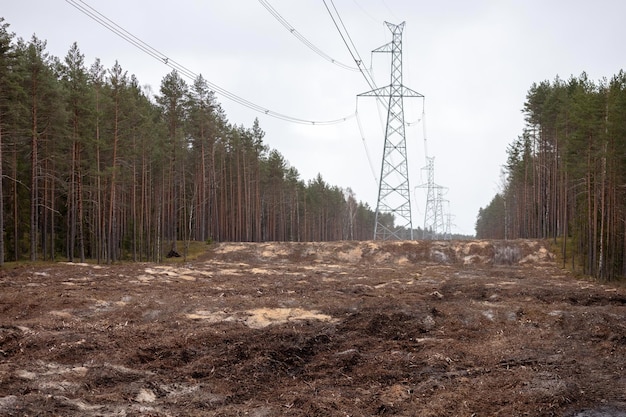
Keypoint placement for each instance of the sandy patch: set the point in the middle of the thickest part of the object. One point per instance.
(352, 255)
(145, 396)
(229, 248)
(261, 271)
(84, 264)
(210, 316)
(260, 317)
(384, 284)
(184, 274)
(187, 277)
(230, 272)
(263, 317)
(62, 314)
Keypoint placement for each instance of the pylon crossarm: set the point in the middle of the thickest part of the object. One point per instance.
(386, 92)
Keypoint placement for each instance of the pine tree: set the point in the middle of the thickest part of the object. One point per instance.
(172, 102)
(41, 117)
(7, 58)
(118, 81)
(110, 174)
(77, 97)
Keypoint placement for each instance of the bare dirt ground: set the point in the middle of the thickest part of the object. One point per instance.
(467, 328)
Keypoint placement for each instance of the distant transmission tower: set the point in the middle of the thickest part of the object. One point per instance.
(440, 225)
(434, 222)
(393, 210)
(448, 232)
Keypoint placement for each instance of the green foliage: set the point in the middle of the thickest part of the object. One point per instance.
(566, 174)
(95, 167)
(490, 223)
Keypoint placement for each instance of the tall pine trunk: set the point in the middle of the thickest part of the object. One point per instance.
(111, 251)
(1, 198)
(34, 165)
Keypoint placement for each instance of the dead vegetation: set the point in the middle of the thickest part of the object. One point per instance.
(471, 328)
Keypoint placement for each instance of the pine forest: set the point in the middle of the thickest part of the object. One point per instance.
(565, 177)
(93, 167)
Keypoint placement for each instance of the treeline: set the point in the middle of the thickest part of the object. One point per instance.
(94, 167)
(566, 175)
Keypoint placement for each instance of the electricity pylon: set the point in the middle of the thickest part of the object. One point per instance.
(393, 210)
(434, 222)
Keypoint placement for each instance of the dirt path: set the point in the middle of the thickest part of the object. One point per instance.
(319, 329)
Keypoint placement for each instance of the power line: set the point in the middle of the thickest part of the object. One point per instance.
(367, 151)
(301, 38)
(389, 10)
(109, 24)
(350, 46)
(354, 53)
(347, 40)
(356, 3)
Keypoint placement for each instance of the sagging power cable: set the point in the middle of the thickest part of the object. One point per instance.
(109, 24)
(347, 40)
(301, 38)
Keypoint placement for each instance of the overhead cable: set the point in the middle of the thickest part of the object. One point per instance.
(302, 39)
(367, 151)
(347, 40)
(356, 3)
(345, 36)
(389, 10)
(109, 24)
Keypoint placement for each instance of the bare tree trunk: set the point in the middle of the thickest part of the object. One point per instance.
(600, 269)
(16, 236)
(624, 248)
(146, 222)
(1, 199)
(202, 211)
(238, 220)
(34, 161)
(603, 212)
(590, 218)
(52, 222)
(71, 198)
(134, 200)
(112, 203)
(98, 215)
(80, 203)
(564, 218)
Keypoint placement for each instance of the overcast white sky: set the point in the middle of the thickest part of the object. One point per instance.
(474, 60)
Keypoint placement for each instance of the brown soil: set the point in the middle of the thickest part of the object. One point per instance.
(319, 329)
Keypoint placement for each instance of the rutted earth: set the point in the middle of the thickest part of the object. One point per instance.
(468, 328)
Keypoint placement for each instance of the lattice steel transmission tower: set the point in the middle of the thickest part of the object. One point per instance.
(393, 210)
(447, 234)
(434, 221)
